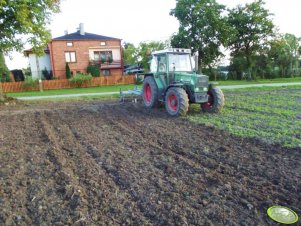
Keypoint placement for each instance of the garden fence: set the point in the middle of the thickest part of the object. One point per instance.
(9, 87)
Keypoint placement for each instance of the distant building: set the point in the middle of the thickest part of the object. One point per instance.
(79, 49)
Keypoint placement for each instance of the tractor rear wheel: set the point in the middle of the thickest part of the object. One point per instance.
(150, 92)
(176, 101)
(215, 102)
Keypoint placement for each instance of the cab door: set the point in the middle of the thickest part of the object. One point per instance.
(162, 70)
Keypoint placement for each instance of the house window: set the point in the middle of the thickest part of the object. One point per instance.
(69, 44)
(106, 72)
(96, 56)
(70, 57)
(102, 43)
(103, 56)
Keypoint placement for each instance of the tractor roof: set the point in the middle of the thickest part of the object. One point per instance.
(172, 50)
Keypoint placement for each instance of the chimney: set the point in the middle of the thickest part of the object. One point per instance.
(81, 29)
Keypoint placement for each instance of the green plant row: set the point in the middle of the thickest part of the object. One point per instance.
(273, 116)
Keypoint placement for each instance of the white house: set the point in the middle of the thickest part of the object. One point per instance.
(38, 64)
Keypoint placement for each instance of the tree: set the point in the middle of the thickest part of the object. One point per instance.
(4, 74)
(237, 66)
(264, 67)
(284, 53)
(293, 42)
(252, 27)
(25, 19)
(130, 54)
(68, 71)
(145, 48)
(141, 54)
(203, 29)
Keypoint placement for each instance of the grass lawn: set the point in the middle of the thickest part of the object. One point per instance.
(99, 89)
(263, 88)
(259, 81)
(113, 97)
(273, 115)
(126, 87)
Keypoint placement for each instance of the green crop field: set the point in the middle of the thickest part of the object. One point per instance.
(270, 115)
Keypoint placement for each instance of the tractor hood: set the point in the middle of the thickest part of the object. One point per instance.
(193, 79)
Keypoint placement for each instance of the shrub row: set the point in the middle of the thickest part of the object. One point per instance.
(79, 79)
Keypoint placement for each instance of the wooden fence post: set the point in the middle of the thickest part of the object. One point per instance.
(1, 92)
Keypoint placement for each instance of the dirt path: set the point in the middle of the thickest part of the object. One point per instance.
(112, 164)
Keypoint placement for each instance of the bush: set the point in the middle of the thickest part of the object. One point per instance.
(4, 77)
(80, 79)
(27, 71)
(4, 72)
(68, 71)
(139, 79)
(94, 70)
(46, 74)
(29, 82)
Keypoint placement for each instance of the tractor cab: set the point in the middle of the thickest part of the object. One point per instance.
(171, 61)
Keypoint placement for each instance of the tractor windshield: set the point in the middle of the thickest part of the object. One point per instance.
(181, 62)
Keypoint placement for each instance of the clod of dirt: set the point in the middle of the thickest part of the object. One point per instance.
(8, 101)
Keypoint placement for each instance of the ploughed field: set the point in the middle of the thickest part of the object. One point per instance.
(105, 163)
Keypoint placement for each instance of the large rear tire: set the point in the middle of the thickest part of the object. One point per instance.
(176, 102)
(215, 102)
(150, 92)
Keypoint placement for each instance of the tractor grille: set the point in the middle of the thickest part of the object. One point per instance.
(203, 81)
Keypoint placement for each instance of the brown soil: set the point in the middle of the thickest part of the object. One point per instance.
(120, 164)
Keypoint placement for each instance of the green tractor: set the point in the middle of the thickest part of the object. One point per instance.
(173, 82)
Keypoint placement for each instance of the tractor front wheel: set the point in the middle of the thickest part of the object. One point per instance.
(176, 101)
(215, 102)
(150, 92)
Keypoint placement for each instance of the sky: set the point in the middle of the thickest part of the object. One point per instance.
(143, 20)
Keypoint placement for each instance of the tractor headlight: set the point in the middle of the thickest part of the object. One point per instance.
(205, 89)
(197, 89)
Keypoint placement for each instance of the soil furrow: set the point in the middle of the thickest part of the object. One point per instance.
(162, 167)
(66, 185)
(120, 164)
(92, 180)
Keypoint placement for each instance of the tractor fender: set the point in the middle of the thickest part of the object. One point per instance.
(188, 91)
(212, 85)
(178, 85)
(148, 74)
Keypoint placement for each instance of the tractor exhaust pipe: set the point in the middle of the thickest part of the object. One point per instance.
(196, 61)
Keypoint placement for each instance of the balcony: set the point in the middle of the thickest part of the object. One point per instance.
(107, 65)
